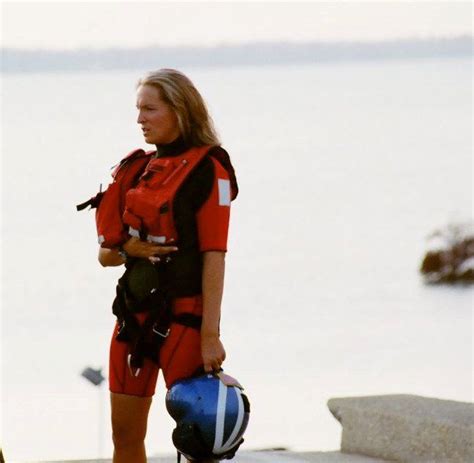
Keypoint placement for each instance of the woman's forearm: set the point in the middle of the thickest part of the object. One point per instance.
(212, 289)
(212, 350)
(134, 247)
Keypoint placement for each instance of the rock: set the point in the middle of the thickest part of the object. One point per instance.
(450, 257)
(406, 428)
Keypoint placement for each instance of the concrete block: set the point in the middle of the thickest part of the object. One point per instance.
(406, 428)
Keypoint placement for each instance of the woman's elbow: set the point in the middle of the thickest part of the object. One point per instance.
(214, 259)
(103, 257)
(101, 260)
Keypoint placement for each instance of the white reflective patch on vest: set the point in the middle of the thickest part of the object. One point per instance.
(156, 239)
(133, 232)
(224, 191)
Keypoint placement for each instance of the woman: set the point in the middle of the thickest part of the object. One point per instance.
(186, 271)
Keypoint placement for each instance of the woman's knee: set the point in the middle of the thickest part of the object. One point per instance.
(129, 419)
(125, 435)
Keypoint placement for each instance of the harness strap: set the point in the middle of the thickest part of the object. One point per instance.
(146, 340)
(93, 202)
(188, 319)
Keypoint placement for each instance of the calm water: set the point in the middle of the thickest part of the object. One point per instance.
(344, 169)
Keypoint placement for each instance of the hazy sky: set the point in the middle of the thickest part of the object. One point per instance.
(66, 25)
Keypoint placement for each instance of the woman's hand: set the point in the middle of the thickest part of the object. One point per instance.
(137, 248)
(213, 353)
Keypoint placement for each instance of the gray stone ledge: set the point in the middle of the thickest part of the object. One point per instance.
(262, 457)
(406, 428)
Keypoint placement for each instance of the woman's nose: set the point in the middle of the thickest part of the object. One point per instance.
(140, 117)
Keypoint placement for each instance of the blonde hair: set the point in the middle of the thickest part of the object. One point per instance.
(177, 90)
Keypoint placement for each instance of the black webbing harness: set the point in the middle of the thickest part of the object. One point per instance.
(93, 202)
(146, 339)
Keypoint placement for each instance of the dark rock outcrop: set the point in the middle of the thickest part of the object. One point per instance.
(450, 257)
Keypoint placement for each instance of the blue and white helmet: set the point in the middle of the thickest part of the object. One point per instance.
(211, 414)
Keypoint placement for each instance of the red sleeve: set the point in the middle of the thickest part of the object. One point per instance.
(213, 216)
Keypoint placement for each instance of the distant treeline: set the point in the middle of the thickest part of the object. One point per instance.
(255, 54)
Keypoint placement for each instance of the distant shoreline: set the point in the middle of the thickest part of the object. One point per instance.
(255, 54)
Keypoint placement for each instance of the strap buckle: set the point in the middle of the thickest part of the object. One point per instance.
(121, 327)
(129, 362)
(157, 331)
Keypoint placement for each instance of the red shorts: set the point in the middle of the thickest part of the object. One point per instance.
(180, 356)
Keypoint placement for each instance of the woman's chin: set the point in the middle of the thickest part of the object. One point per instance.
(149, 140)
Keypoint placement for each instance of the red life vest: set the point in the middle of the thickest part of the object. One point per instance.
(110, 204)
(111, 230)
(139, 201)
(149, 205)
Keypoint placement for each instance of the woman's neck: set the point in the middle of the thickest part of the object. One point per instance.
(174, 148)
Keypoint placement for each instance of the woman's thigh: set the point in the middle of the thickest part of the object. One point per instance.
(125, 380)
(180, 356)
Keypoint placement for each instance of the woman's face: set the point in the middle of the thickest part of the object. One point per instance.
(158, 121)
